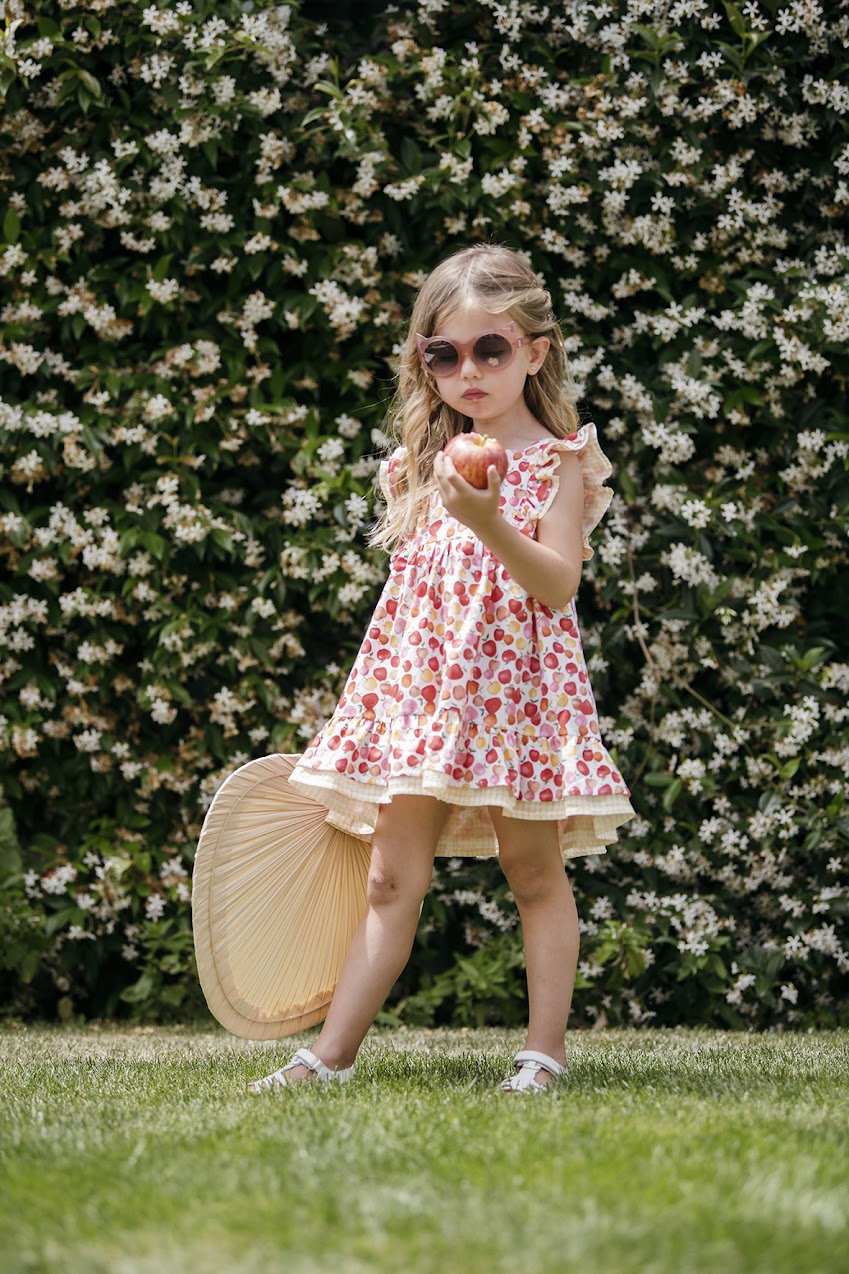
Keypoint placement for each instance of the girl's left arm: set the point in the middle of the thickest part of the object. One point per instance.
(547, 568)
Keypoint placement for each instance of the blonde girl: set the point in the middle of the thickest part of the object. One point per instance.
(468, 724)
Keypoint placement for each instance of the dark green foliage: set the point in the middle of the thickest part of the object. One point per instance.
(215, 221)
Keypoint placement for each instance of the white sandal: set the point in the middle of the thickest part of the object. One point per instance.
(529, 1064)
(303, 1057)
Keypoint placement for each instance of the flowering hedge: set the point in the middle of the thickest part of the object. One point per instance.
(217, 216)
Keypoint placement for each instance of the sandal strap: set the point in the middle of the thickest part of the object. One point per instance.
(277, 1080)
(522, 1082)
(538, 1061)
(305, 1057)
(528, 1065)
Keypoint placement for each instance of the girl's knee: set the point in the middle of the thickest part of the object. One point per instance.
(530, 877)
(402, 850)
(387, 886)
(386, 889)
(383, 888)
(528, 882)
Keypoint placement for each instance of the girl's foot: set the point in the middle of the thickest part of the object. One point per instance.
(297, 1073)
(535, 1072)
(304, 1068)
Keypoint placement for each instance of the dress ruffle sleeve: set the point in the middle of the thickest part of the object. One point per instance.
(387, 471)
(595, 469)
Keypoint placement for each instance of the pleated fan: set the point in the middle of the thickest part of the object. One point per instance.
(277, 894)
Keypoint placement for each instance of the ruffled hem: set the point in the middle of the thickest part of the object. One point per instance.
(587, 824)
(595, 469)
(535, 761)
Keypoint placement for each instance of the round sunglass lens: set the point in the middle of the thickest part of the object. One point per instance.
(441, 357)
(493, 350)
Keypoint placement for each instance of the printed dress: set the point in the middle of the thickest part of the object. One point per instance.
(467, 689)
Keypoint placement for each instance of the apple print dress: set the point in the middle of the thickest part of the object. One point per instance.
(469, 690)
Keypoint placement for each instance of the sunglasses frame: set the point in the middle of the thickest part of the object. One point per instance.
(465, 348)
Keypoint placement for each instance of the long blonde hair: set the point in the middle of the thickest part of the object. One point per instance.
(500, 281)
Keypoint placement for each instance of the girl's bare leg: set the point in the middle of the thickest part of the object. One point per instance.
(403, 847)
(529, 854)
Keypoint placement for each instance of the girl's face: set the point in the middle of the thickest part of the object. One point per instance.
(488, 395)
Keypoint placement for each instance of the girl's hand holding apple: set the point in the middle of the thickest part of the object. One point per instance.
(476, 507)
(468, 472)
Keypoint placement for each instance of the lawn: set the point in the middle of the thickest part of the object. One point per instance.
(667, 1152)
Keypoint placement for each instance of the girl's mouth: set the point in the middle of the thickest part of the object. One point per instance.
(474, 393)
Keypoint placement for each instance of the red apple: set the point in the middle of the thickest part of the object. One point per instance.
(472, 455)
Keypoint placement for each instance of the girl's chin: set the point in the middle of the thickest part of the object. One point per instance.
(478, 407)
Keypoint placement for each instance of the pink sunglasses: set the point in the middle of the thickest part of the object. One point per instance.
(491, 352)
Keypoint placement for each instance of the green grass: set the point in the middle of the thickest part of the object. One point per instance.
(667, 1152)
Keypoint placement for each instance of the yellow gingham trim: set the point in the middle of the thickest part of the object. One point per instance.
(587, 823)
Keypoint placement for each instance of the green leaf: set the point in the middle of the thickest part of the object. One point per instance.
(812, 840)
(30, 965)
(11, 226)
(91, 82)
(58, 919)
(160, 270)
(178, 691)
(670, 796)
(735, 17)
(732, 56)
(10, 852)
(646, 34)
(139, 991)
(658, 779)
(155, 544)
(222, 538)
(411, 156)
(213, 58)
(68, 85)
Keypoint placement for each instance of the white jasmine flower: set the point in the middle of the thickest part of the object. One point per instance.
(263, 606)
(157, 407)
(154, 906)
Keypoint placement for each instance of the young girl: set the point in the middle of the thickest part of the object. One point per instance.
(468, 725)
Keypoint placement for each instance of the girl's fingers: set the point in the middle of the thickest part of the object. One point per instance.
(459, 496)
(445, 470)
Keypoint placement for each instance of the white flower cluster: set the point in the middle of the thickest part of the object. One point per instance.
(768, 608)
(804, 720)
(165, 291)
(343, 311)
(301, 506)
(689, 566)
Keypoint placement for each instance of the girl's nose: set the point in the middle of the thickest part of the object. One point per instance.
(468, 367)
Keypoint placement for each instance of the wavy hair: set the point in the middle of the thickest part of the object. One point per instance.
(498, 280)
